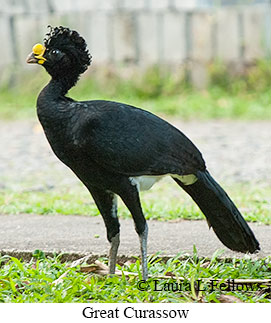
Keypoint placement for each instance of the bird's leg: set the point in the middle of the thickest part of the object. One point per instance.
(143, 246)
(115, 241)
(131, 199)
(107, 205)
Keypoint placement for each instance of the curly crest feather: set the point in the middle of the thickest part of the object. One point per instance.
(70, 42)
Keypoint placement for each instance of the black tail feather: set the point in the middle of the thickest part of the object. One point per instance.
(221, 213)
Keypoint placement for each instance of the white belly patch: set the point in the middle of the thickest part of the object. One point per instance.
(144, 183)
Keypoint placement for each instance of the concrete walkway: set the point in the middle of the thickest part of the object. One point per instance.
(80, 235)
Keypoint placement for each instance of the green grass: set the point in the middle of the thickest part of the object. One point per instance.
(33, 281)
(166, 201)
(158, 90)
(190, 104)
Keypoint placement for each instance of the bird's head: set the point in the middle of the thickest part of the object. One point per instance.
(64, 53)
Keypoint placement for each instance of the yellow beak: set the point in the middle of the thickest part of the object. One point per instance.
(37, 55)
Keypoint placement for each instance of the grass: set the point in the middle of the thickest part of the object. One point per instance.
(166, 201)
(34, 281)
(158, 90)
(189, 104)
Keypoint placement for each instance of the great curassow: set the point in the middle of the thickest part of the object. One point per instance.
(117, 149)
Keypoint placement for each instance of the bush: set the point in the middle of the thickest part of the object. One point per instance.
(254, 77)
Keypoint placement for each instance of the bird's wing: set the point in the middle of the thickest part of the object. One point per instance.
(131, 141)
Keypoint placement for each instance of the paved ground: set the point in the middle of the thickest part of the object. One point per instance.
(234, 151)
(82, 235)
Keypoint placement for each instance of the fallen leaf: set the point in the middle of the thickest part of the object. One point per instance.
(229, 299)
(170, 274)
(205, 264)
(80, 261)
(59, 280)
(89, 269)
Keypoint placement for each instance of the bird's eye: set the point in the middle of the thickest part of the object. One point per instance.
(55, 51)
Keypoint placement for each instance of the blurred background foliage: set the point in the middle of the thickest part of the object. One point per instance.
(161, 89)
(184, 58)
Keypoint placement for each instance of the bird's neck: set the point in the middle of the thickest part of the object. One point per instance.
(59, 87)
(52, 104)
(52, 101)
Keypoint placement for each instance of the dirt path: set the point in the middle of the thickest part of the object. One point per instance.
(234, 151)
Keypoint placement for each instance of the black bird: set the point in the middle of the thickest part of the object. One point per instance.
(117, 149)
